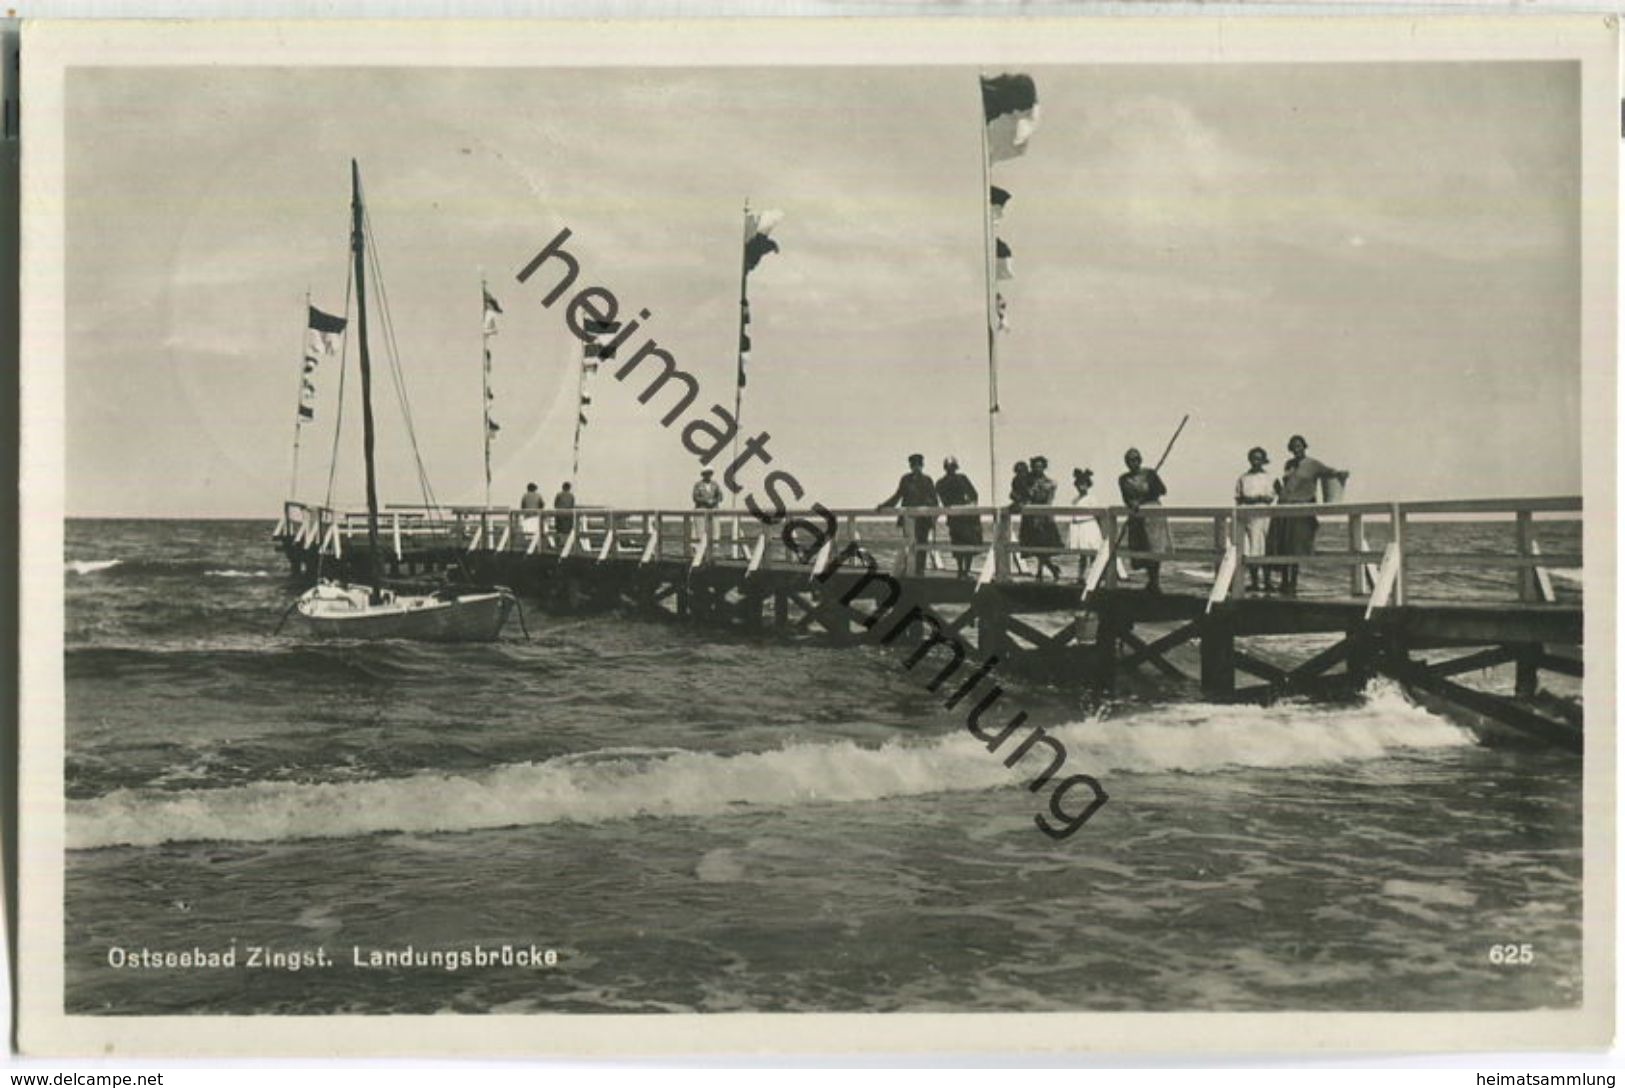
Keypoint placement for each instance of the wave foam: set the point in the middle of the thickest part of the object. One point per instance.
(91, 566)
(618, 785)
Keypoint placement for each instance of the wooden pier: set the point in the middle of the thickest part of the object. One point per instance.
(1422, 592)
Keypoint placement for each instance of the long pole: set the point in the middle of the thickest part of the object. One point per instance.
(359, 245)
(739, 346)
(485, 388)
(1170, 447)
(581, 389)
(992, 317)
(298, 414)
(1166, 450)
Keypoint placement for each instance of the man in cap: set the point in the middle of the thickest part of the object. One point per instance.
(915, 489)
(707, 495)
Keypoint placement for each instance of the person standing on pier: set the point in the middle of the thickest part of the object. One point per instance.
(707, 495)
(1020, 479)
(1255, 488)
(965, 531)
(565, 500)
(1142, 487)
(915, 489)
(532, 500)
(1044, 533)
(1300, 482)
(1083, 535)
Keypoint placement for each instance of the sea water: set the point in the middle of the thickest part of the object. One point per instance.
(655, 817)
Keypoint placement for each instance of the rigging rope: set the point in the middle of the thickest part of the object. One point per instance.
(398, 377)
(392, 352)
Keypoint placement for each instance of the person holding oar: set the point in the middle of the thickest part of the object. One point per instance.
(1142, 487)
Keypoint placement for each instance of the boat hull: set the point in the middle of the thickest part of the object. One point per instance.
(475, 617)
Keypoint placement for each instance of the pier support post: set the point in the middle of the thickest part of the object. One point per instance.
(992, 627)
(1107, 635)
(1219, 655)
(750, 610)
(1362, 659)
(1527, 680)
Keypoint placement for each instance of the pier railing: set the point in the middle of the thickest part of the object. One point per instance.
(1385, 553)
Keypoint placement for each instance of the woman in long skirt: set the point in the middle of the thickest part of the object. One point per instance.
(964, 531)
(1142, 487)
(1299, 485)
(1019, 497)
(1044, 532)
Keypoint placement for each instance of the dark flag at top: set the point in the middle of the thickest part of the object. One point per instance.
(325, 322)
(757, 242)
(1010, 105)
(321, 341)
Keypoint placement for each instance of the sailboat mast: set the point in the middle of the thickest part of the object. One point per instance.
(359, 246)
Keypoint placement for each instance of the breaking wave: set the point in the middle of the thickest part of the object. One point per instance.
(618, 784)
(162, 568)
(91, 566)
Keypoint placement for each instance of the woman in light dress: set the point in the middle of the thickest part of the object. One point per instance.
(1084, 534)
(1255, 487)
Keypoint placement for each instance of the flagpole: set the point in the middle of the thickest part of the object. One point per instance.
(581, 389)
(485, 387)
(739, 341)
(988, 296)
(298, 420)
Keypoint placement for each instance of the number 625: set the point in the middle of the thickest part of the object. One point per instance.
(1512, 953)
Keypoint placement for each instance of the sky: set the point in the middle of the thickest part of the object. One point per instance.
(1382, 257)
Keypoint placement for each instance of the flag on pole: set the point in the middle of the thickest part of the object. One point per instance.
(324, 333)
(1010, 105)
(321, 341)
(491, 311)
(1004, 262)
(744, 339)
(1001, 316)
(598, 348)
(758, 226)
(488, 328)
(997, 198)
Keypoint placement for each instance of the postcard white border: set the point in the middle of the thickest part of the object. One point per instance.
(51, 48)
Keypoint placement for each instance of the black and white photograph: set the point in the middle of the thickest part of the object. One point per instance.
(616, 524)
